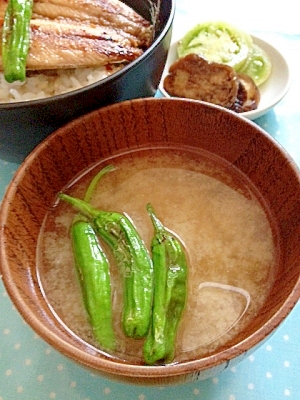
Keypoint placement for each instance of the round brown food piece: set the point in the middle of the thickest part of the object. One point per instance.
(248, 96)
(195, 78)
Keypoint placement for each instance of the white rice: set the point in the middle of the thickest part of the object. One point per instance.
(50, 84)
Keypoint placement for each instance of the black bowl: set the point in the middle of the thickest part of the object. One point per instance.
(25, 124)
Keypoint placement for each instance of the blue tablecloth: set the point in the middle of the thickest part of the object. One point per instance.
(31, 370)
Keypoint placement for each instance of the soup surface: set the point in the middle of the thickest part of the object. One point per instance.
(218, 215)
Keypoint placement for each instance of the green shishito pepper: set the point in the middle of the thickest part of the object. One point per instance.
(16, 39)
(170, 292)
(133, 260)
(93, 271)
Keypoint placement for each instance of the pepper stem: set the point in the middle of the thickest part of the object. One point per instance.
(85, 208)
(91, 188)
(158, 226)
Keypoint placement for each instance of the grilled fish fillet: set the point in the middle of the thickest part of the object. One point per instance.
(56, 46)
(99, 12)
(83, 33)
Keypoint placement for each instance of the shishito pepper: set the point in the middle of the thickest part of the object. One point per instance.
(170, 292)
(133, 260)
(16, 39)
(94, 274)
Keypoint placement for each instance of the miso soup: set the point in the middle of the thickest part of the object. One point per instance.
(216, 212)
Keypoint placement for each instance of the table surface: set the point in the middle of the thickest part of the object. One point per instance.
(31, 370)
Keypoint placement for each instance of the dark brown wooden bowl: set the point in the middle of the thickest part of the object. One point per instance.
(136, 124)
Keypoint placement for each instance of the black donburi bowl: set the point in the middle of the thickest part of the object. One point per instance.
(25, 124)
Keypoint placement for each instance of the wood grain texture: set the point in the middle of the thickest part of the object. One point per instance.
(123, 127)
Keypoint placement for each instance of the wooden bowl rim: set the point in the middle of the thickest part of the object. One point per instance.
(113, 366)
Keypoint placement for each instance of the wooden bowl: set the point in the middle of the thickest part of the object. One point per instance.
(137, 124)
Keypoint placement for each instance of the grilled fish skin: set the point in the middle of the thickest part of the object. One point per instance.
(51, 46)
(78, 33)
(99, 12)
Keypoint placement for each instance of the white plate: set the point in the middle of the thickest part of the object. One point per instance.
(271, 91)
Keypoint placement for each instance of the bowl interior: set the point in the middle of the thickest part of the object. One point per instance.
(132, 125)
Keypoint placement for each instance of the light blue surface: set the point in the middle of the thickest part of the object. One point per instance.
(31, 370)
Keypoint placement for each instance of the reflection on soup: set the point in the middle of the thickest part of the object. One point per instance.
(218, 215)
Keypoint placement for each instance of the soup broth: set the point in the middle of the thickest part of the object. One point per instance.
(213, 209)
